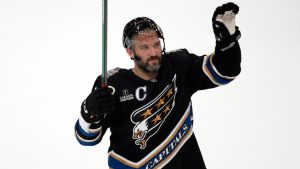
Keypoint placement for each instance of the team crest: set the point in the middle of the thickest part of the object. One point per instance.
(149, 118)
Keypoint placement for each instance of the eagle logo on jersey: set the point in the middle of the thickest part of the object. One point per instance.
(149, 118)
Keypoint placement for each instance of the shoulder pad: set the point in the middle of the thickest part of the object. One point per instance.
(176, 51)
(113, 71)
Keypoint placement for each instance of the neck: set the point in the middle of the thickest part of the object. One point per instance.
(144, 75)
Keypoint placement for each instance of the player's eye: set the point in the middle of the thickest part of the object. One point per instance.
(157, 45)
(144, 47)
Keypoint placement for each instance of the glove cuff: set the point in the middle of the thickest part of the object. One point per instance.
(83, 124)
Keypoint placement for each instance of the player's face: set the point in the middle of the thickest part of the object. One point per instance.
(147, 47)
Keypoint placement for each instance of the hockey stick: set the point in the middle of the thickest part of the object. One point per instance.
(104, 43)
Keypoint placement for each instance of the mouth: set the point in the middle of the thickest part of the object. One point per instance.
(153, 60)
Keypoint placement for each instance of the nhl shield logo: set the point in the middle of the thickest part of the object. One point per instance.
(149, 118)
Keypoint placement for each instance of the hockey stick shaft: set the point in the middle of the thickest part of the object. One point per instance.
(104, 43)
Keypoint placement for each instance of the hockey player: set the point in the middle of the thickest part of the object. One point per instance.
(148, 108)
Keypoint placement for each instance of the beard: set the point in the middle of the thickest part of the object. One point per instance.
(147, 67)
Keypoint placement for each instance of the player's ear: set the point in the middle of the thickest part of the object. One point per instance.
(130, 53)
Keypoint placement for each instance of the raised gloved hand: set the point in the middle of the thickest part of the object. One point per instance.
(98, 105)
(225, 30)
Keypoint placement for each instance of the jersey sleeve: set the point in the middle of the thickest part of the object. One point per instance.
(88, 134)
(222, 67)
(208, 71)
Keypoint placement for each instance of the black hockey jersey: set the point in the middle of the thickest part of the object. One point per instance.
(153, 122)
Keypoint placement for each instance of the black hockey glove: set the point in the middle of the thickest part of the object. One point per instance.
(98, 105)
(223, 22)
